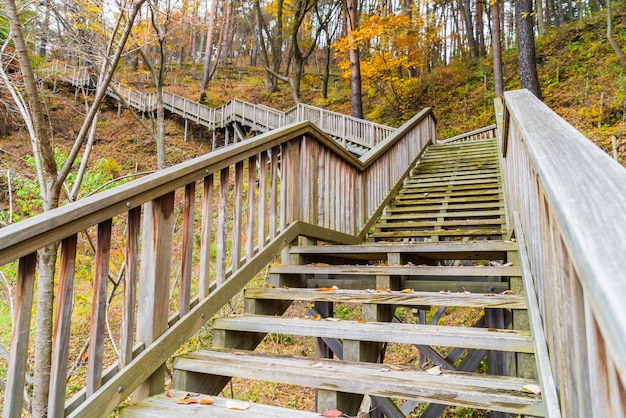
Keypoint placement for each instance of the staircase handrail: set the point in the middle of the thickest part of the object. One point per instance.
(304, 183)
(570, 197)
(349, 130)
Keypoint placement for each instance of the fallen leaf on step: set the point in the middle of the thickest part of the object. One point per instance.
(394, 367)
(332, 319)
(237, 405)
(444, 291)
(494, 264)
(316, 317)
(169, 394)
(316, 365)
(362, 321)
(207, 400)
(239, 353)
(508, 292)
(435, 371)
(186, 399)
(507, 264)
(407, 290)
(532, 389)
(332, 413)
(320, 264)
(327, 289)
(284, 287)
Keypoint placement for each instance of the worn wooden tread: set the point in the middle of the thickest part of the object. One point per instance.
(446, 271)
(450, 193)
(451, 388)
(429, 215)
(450, 207)
(422, 248)
(457, 284)
(440, 232)
(416, 174)
(440, 224)
(462, 299)
(393, 332)
(417, 188)
(164, 406)
(454, 176)
(451, 183)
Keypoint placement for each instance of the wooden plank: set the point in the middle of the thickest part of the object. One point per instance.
(251, 206)
(154, 284)
(445, 336)
(20, 333)
(262, 206)
(205, 240)
(222, 213)
(427, 224)
(461, 214)
(187, 248)
(130, 286)
(475, 391)
(235, 249)
(460, 207)
(473, 300)
(62, 326)
(449, 271)
(440, 232)
(98, 308)
(381, 250)
(164, 405)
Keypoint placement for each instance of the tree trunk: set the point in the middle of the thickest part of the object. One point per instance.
(497, 48)
(609, 35)
(326, 76)
(208, 49)
(526, 47)
(541, 27)
(356, 96)
(469, 27)
(480, 29)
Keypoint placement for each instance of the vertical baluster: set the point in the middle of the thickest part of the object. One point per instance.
(14, 392)
(205, 246)
(251, 207)
(61, 338)
(154, 286)
(221, 226)
(274, 192)
(262, 199)
(130, 286)
(98, 307)
(187, 250)
(237, 215)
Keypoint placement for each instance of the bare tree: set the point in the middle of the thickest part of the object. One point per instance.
(496, 48)
(51, 181)
(356, 95)
(609, 35)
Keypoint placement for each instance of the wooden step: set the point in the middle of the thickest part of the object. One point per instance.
(417, 271)
(440, 233)
(417, 175)
(164, 406)
(450, 207)
(407, 215)
(433, 224)
(417, 188)
(389, 297)
(476, 250)
(451, 388)
(454, 183)
(441, 336)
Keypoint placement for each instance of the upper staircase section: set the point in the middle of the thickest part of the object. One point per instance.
(356, 135)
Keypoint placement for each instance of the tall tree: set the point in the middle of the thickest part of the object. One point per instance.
(609, 35)
(527, 61)
(51, 181)
(356, 95)
(469, 27)
(496, 48)
(208, 50)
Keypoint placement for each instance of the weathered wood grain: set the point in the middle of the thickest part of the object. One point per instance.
(489, 300)
(483, 392)
(448, 271)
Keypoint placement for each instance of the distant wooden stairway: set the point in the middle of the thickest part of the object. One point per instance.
(443, 248)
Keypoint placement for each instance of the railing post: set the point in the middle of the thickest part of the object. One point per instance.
(14, 393)
(154, 282)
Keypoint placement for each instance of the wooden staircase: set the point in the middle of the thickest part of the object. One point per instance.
(440, 244)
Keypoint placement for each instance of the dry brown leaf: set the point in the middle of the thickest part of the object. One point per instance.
(237, 405)
(320, 264)
(332, 413)
(394, 367)
(169, 394)
(362, 321)
(186, 399)
(284, 287)
(435, 371)
(532, 389)
(332, 319)
(207, 400)
(316, 317)
(508, 292)
(492, 329)
(509, 264)
(316, 365)
(239, 353)
(407, 290)
(326, 289)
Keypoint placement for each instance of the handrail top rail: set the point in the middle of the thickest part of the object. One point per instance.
(587, 191)
(332, 112)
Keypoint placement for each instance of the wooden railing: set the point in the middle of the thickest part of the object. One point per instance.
(488, 132)
(570, 199)
(357, 135)
(286, 183)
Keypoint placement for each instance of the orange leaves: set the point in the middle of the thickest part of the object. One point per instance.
(192, 398)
